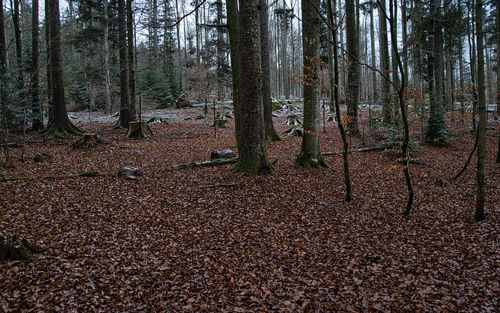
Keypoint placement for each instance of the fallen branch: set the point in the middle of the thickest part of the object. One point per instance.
(219, 185)
(83, 174)
(367, 149)
(10, 145)
(204, 164)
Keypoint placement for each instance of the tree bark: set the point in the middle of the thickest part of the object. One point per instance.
(107, 79)
(253, 158)
(131, 61)
(233, 24)
(37, 121)
(481, 142)
(270, 132)
(373, 53)
(384, 62)
(353, 69)
(19, 44)
(310, 154)
(60, 125)
(335, 98)
(122, 48)
(436, 128)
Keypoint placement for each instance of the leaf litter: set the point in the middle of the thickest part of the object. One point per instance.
(285, 242)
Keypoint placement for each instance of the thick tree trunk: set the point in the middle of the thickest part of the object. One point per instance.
(310, 154)
(179, 61)
(107, 79)
(497, 22)
(233, 24)
(253, 158)
(131, 60)
(220, 57)
(481, 142)
(384, 62)
(61, 125)
(270, 132)
(122, 48)
(3, 68)
(19, 44)
(353, 69)
(37, 121)
(436, 128)
(373, 55)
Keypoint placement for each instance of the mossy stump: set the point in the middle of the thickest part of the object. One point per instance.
(88, 140)
(61, 131)
(138, 129)
(11, 249)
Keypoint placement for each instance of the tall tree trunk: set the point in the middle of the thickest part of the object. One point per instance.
(197, 21)
(154, 26)
(384, 62)
(436, 128)
(60, 125)
(122, 49)
(253, 158)
(310, 153)
(497, 24)
(481, 141)
(19, 44)
(472, 58)
(233, 25)
(218, 46)
(179, 55)
(131, 60)
(394, 51)
(3, 78)
(50, 101)
(373, 53)
(37, 121)
(270, 132)
(107, 79)
(353, 74)
(335, 98)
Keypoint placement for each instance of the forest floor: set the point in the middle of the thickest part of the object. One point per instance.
(284, 242)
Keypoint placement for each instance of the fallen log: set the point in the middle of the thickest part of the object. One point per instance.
(219, 185)
(82, 174)
(204, 164)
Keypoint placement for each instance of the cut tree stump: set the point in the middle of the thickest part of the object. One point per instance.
(157, 120)
(12, 249)
(220, 123)
(293, 119)
(138, 129)
(129, 172)
(88, 140)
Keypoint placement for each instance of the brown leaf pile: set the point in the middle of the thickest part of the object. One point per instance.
(286, 242)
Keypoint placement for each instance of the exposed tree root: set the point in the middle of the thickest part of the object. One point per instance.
(58, 131)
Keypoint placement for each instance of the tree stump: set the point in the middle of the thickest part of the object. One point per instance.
(12, 249)
(129, 172)
(293, 119)
(138, 129)
(88, 140)
(157, 120)
(220, 123)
